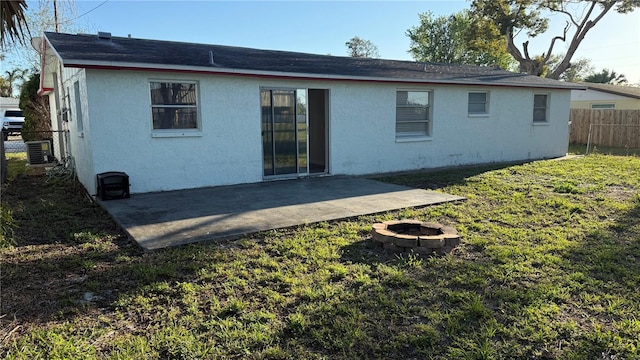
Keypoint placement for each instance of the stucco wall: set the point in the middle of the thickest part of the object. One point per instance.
(361, 126)
(368, 145)
(59, 100)
(228, 150)
(80, 138)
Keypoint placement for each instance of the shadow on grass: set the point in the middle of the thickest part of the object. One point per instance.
(612, 255)
(370, 304)
(69, 256)
(439, 178)
(584, 308)
(408, 308)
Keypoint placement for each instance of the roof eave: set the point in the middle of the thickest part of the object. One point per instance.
(92, 64)
(619, 93)
(43, 46)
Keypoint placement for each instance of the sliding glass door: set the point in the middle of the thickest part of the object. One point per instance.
(284, 131)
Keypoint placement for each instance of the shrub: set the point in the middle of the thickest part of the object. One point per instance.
(37, 117)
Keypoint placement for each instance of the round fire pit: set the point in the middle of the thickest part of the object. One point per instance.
(423, 238)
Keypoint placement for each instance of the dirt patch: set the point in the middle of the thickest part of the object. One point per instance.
(65, 246)
(619, 193)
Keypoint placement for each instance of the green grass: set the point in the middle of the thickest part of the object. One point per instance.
(549, 267)
(580, 149)
(16, 165)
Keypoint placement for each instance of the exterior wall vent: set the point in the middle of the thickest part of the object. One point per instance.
(104, 35)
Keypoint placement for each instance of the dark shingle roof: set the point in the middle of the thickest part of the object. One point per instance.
(628, 91)
(90, 50)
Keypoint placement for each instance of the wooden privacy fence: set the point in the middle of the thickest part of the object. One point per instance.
(615, 128)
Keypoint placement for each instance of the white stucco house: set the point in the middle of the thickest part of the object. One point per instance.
(181, 115)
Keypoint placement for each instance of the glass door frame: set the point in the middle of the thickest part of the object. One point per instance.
(300, 171)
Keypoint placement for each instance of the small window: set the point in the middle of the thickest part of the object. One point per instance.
(174, 105)
(412, 114)
(603, 106)
(478, 103)
(76, 96)
(540, 108)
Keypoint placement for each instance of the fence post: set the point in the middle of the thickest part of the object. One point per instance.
(588, 139)
(3, 161)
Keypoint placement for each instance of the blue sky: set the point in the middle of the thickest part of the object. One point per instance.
(323, 27)
(308, 26)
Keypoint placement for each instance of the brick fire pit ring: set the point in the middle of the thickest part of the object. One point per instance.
(415, 236)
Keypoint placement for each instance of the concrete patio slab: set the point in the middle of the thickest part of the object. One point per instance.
(163, 219)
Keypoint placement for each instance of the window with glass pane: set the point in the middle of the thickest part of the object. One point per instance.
(174, 105)
(412, 114)
(603, 106)
(478, 103)
(540, 108)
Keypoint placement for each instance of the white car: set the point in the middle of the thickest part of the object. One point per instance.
(12, 120)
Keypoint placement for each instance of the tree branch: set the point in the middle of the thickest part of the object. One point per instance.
(563, 11)
(512, 48)
(525, 47)
(553, 41)
(581, 32)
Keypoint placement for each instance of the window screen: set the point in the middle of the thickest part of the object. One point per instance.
(540, 108)
(412, 114)
(478, 103)
(174, 105)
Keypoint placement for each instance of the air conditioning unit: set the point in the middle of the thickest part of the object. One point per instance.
(39, 152)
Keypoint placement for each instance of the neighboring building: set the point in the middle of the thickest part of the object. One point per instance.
(8, 103)
(180, 115)
(606, 96)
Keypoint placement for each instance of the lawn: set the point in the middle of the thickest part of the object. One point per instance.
(581, 149)
(549, 268)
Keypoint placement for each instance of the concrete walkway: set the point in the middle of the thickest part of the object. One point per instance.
(158, 220)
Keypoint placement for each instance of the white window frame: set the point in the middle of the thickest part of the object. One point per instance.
(603, 106)
(178, 132)
(546, 108)
(406, 137)
(486, 102)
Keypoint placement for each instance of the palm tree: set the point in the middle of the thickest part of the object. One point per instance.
(13, 77)
(606, 77)
(14, 26)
